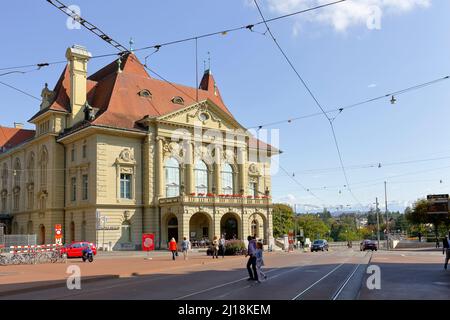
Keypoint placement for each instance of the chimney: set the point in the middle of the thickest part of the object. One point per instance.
(77, 57)
(18, 125)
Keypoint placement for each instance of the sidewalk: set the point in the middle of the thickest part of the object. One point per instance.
(412, 274)
(25, 278)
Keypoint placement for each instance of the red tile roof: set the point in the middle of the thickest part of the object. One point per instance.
(11, 137)
(116, 94)
(120, 105)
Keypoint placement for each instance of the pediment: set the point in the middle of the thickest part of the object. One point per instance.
(205, 114)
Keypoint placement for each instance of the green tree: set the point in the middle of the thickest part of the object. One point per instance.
(313, 227)
(283, 219)
(418, 216)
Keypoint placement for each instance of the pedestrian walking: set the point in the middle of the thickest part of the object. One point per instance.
(173, 247)
(185, 246)
(222, 246)
(446, 250)
(260, 261)
(438, 244)
(251, 263)
(215, 247)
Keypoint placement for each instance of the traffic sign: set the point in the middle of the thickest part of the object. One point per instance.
(58, 234)
(148, 242)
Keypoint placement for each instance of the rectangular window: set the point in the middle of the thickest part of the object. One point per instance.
(73, 190)
(125, 186)
(72, 154)
(4, 204)
(252, 189)
(16, 201)
(84, 151)
(85, 187)
(30, 199)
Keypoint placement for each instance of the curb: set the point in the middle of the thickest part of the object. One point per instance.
(58, 284)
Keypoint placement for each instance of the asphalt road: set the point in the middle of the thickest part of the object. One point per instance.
(336, 274)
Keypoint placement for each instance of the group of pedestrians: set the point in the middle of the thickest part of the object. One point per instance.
(218, 245)
(255, 261)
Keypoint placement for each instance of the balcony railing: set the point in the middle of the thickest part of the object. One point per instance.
(217, 200)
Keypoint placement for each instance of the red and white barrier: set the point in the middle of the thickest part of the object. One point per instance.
(34, 248)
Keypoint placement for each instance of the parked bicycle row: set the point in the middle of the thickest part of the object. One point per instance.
(32, 257)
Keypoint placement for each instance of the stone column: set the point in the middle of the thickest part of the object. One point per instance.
(216, 172)
(183, 226)
(159, 172)
(242, 160)
(190, 188)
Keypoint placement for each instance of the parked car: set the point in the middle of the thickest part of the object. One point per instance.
(319, 245)
(368, 245)
(75, 249)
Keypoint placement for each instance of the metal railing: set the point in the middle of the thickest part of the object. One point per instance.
(17, 240)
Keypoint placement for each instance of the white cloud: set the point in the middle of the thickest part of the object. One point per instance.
(373, 85)
(343, 15)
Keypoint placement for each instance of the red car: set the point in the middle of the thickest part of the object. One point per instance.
(75, 250)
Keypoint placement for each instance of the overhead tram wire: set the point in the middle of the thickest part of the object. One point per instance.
(248, 26)
(19, 90)
(354, 105)
(330, 120)
(92, 28)
(158, 46)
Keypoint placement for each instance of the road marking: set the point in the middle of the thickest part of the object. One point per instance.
(255, 284)
(232, 282)
(345, 283)
(315, 283)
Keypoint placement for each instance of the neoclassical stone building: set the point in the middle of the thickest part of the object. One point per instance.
(118, 153)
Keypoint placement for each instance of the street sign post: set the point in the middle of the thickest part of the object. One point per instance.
(58, 234)
(148, 243)
(291, 240)
(438, 203)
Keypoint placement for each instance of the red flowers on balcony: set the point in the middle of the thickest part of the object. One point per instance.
(192, 194)
(210, 194)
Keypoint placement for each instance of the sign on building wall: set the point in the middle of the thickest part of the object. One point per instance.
(148, 242)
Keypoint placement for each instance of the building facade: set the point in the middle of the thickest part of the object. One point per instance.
(118, 153)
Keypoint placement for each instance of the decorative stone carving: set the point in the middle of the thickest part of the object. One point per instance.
(48, 97)
(126, 156)
(253, 169)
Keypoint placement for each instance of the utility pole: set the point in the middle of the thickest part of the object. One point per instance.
(378, 223)
(387, 218)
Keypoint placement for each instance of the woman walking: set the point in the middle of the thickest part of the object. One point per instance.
(260, 261)
(173, 247)
(215, 247)
(185, 245)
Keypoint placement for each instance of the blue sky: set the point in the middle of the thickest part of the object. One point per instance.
(341, 59)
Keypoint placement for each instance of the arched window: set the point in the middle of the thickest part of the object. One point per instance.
(72, 231)
(4, 176)
(17, 172)
(44, 160)
(30, 227)
(41, 234)
(201, 177)
(227, 179)
(83, 231)
(172, 170)
(255, 228)
(30, 168)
